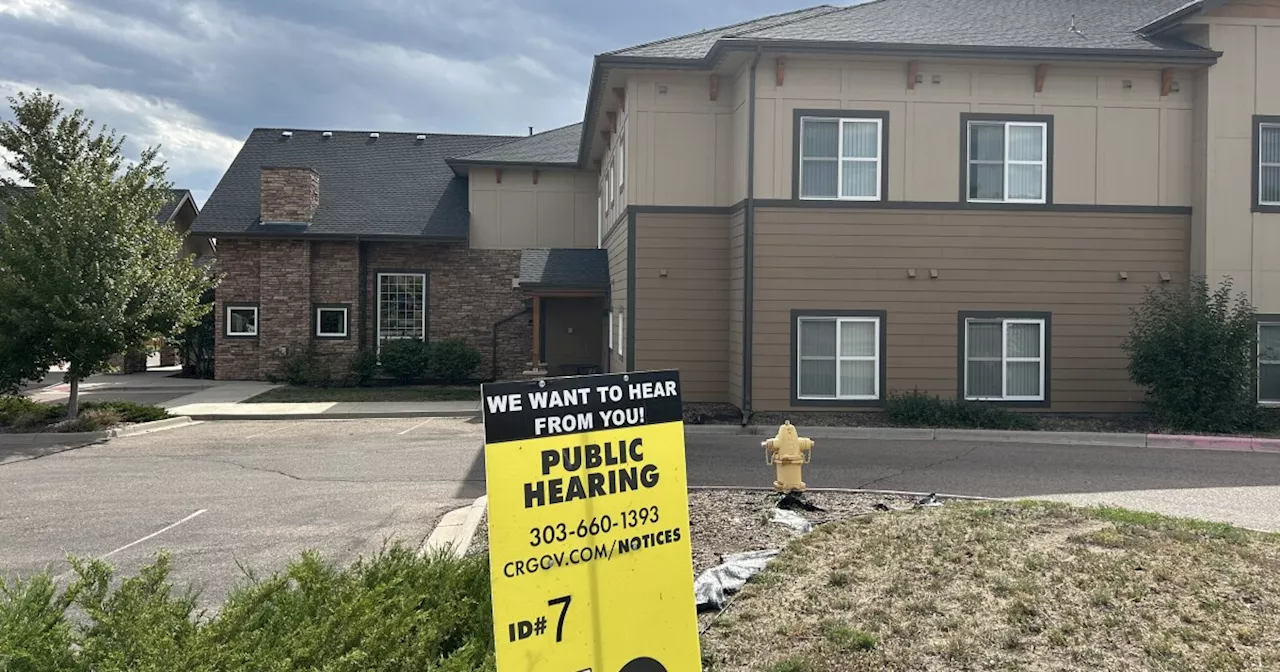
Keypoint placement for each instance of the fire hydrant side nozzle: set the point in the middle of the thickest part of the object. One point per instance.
(787, 452)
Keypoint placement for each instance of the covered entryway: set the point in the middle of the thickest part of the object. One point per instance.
(568, 289)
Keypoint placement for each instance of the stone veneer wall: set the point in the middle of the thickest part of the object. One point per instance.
(289, 194)
(468, 292)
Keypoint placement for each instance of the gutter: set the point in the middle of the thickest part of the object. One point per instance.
(748, 242)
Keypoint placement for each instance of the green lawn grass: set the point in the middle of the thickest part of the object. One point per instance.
(291, 394)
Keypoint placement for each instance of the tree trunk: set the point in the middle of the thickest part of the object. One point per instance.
(73, 402)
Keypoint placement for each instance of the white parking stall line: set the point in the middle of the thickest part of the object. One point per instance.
(131, 544)
(424, 422)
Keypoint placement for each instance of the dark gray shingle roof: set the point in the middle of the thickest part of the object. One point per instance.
(559, 146)
(696, 45)
(1101, 24)
(167, 210)
(1033, 24)
(395, 185)
(566, 268)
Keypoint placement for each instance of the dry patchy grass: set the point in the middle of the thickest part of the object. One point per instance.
(1009, 586)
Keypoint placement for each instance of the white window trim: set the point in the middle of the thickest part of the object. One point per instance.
(1005, 359)
(1261, 361)
(875, 358)
(377, 327)
(1262, 164)
(345, 323)
(227, 327)
(609, 319)
(599, 221)
(840, 158)
(622, 161)
(1043, 162)
(622, 333)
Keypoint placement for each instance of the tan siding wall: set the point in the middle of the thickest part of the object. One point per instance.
(681, 142)
(558, 211)
(1114, 145)
(682, 317)
(1066, 264)
(736, 266)
(1231, 240)
(616, 243)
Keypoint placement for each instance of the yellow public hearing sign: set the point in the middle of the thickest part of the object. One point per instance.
(589, 550)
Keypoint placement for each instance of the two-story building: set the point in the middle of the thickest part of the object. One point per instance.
(804, 211)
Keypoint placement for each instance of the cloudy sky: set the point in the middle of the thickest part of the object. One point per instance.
(196, 77)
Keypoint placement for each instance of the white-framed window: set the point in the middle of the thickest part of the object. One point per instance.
(1269, 362)
(331, 321)
(242, 320)
(622, 161)
(622, 334)
(1004, 359)
(838, 358)
(1008, 161)
(840, 158)
(609, 319)
(402, 306)
(599, 221)
(608, 184)
(1269, 163)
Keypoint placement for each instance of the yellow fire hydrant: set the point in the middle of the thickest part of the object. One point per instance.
(787, 451)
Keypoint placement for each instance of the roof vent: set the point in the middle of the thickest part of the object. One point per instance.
(373, 136)
(327, 134)
(421, 137)
(286, 134)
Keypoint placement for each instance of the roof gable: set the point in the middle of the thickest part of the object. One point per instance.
(556, 147)
(394, 184)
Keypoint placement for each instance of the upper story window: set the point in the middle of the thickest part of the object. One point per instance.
(840, 155)
(1007, 158)
(1266, 179)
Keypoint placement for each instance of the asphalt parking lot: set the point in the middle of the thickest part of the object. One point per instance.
(250, 493)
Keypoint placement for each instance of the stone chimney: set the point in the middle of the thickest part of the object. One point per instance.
(289, 194)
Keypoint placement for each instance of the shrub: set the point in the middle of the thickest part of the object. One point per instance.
(394, 611)
(407, 360)
(453, 361)
(129, 411)
(14, 407)
(917, 409)
(91, 420)
(363, 368)
(302, 366)
(1194, 350)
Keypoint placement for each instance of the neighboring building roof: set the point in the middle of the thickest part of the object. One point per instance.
(170, 208)
(1000, 24)
(564, 268)
(393, 186)
(696, 45)
(556, 147)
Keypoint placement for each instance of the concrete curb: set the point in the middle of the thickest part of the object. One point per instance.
(341, 415)
(1161, 441)
(456, 529)
(858, 491)
(149, 427)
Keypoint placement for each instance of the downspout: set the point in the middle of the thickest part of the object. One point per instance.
(748, 242)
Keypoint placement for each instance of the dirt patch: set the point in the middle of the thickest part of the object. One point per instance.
(1009, 586)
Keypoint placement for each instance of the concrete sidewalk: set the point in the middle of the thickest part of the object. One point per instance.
(204, 408)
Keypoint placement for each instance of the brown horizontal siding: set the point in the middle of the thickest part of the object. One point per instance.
(1067, 264)
(735, 257)
(616, 244)
(682, 317)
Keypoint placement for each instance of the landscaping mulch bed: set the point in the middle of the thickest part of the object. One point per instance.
(1008, 586)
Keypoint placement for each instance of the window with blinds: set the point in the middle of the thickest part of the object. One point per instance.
(1269, 362)
(1007, 161)
(838, 358)
(1269, 164)
(841, 158)
(1004, 359)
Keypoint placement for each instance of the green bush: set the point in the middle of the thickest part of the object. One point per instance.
(129, 411)
(91, 420)
(302, 366)
(453, 361)
(1195, 352)
(14, 407)
(407, 360)
(394, 611)
(917, 409)
(363, 368)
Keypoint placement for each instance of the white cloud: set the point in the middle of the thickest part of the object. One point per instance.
(185, 140)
